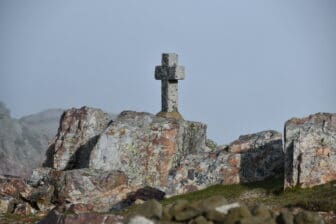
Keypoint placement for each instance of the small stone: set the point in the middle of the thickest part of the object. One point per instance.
(214, 202)
(225, 208)
(257, 220)
(186, 214)
(7, 204)
(237, 214)
(140, 220)
(305, 217)
(200, 220)
(24, 209)
(139, 201)
(166, 213)
(180, 205)
(215, 216)
(262, 211)
(285, 217)
(151, 209)
(182, 210)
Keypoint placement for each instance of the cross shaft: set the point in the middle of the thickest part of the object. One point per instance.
(169, 72)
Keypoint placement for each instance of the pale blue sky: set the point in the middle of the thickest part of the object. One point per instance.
(250, 65)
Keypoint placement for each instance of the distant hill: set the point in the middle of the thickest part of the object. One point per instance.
(23, 142)
(45, 122)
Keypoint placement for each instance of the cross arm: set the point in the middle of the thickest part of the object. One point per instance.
(169, 73)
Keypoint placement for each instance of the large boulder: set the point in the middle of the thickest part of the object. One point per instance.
(140, 149)
(310, 150)
(146, 147)
(101, 189)
(77, 134)
(251, 158)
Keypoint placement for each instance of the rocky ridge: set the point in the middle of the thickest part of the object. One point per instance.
(99, 164)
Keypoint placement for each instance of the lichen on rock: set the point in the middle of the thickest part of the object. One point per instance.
(310, 150)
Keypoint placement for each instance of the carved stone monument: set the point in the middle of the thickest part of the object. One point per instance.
(169, 72)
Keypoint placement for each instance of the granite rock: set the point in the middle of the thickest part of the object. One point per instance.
(102, 189)
(14, 187)
(310, 150)
(77, 134)
(146, 147)
(251, 158)
(7, 204)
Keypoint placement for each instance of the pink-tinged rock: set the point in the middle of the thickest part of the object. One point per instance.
(101, 189)
(146, 147)
(251, 158)
(13, 186)
(310, 150)
(77, 134)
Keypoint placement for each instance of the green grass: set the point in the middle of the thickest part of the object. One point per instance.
(269, 192)
(231, 192)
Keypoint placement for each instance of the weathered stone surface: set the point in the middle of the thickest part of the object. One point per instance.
(102, 189)
(306, 217)
(146, 147)
(310, 150)
(78, 132)
(13, 187)
(250, 158)
(43, 175)
(7, 204)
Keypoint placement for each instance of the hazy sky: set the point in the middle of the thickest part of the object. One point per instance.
(250, 65)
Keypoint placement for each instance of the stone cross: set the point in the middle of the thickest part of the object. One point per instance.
(169, 72)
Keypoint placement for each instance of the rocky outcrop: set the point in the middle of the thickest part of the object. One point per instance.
(310, 150)
(101, 189)
(146, 147)
(77, 134)
(23, 142)
(169, 154)
(251, 158)
(109, 165)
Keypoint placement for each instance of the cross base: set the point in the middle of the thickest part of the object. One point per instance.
(174, 114)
